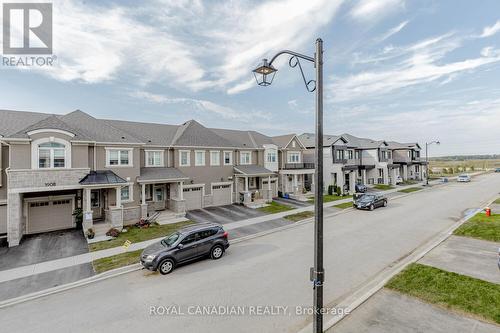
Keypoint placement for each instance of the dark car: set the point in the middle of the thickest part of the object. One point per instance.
(497, 170)
(370, 201)
(189, 243)
(360, 188)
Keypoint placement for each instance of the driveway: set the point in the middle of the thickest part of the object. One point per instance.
(39, 248)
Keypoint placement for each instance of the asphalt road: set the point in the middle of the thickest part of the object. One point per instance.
(268, 271)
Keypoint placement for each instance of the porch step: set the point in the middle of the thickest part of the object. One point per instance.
(169, 217)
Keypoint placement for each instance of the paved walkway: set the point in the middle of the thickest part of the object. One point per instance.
(47, 266)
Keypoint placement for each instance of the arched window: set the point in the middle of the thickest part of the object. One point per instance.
(51, 155)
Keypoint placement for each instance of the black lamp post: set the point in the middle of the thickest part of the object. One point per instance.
(264, 75)
(427, 144)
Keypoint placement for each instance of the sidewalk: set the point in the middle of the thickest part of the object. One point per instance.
(47, 266)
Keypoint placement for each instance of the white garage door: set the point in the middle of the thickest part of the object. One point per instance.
(221, 195)
(49, 215)
(193, 197)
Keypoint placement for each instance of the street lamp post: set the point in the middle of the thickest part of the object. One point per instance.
(264, 76)
(427, 144)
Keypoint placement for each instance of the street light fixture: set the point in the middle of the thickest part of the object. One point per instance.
(264, 75)
(427, 144)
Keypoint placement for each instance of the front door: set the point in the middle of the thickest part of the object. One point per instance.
(159, 196)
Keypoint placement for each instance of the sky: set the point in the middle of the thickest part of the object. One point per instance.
(410, 71)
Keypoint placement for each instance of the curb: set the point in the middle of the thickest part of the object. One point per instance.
(362, 294)
(135, 267)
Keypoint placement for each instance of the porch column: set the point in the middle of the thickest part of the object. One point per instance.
(269, 183)
(246, 184)
(295, 183)
(181, 191)
(144, 206)
(352, 182)
(87, 221)
(118, 197)
(363, 176)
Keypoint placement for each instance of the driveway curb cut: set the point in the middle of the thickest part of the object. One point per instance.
(354, 300)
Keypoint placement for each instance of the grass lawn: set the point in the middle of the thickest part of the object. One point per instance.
(135, 235)
(333, 197)
(299, 216)
(450, 290)
(383, 187)
(274, 207)
(116, 261)
(482, 227)
(344, 205)
(411, 189)
(497, 201)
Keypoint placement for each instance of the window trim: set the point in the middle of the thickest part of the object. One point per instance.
(188, 158)
(230, 157)
(204, 158)
(249, 159)
(130, 194)
(289, 155)
(120, 165)
(146, 158)
(218, 159)
(35, 153)
(274, 153)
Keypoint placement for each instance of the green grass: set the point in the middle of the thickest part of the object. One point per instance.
(450, 290)
(383, 187)
(344, 205)
(299, 216)
(497, 201)
(116, 261)
(411, 189)
(409, 182)
(274, 207)
(482, 227)
(135, 235)
(332, 197)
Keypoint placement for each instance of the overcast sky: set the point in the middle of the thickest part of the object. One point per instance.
(394, 69)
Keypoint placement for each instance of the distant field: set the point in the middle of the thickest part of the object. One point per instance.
(469, 165)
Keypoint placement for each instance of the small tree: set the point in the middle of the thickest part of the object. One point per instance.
(330, 189)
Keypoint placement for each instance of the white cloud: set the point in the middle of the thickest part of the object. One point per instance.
(203, 106)
(392, 31)
(491, 30)
(366, 10)
(402, 67)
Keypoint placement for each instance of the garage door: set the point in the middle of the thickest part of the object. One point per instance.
(193, 197)
(221, 195)
(49, 215)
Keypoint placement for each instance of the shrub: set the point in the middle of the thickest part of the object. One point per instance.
(113, 232)
(330, 189)
(338, 191)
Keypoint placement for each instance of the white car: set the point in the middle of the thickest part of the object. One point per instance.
(463, 178)
(399, 180)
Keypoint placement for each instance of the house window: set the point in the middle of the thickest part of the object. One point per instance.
(293, 157)
(215, 158)
(95, 202)
(380, 173)
(389, 155)
(417, 168)
(271, 156)
(126, 193)
(245, 157)
(184, 157)
(119, 157)
(251, 182)
(384, 154)
(357, 154)
(340, 154)
(228, 157)
(409, 153)
(350, 154)
(51, 155)
(199, 158)
(294, 144)
(154, 158)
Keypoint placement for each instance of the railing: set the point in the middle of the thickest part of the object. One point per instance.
(289, 166)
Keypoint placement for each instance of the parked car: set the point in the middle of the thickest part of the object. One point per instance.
(186, 244)
(370, 201)
(497, 170)
(464, 178)
(399, 180)
(360, 188)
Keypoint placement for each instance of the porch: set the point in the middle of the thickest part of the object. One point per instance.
(295, 185)
(254, 185)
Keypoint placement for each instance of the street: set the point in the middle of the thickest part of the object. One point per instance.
(265, 271)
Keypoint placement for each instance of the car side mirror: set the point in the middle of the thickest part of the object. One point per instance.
(180, 246)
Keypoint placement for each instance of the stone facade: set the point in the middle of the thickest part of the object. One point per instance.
(44, 179)
(15, 223)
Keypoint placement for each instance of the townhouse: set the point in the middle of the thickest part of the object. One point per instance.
(350, 160)
(118, 172)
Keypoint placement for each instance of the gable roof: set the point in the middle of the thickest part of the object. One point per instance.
(51, 122)
(15, 121)
(193, 134)
(309, 139)
(149, 133)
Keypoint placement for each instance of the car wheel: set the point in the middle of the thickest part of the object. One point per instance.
(372, 207)
(166, 266)
(385, 203)
(217, 252)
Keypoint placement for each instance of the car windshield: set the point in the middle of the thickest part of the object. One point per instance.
(170, 239)
(367, 197)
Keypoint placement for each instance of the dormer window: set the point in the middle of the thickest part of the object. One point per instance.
(51, 155)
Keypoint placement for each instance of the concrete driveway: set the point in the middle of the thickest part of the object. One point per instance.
(39, 248)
